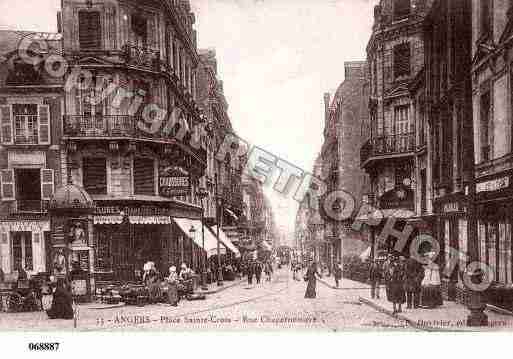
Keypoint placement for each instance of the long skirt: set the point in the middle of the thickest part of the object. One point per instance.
(172, 294)
(396, 293)
(431, 296)
(155, 292)
(310, 289)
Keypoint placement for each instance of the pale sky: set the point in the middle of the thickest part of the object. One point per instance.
(276, 59)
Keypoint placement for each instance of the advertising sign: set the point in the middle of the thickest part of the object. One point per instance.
(174, 181)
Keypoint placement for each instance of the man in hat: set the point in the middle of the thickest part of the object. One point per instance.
(414, 273)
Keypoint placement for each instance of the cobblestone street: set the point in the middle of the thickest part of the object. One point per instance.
(276, 305)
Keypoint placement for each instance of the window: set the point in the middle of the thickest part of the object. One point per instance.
(486, 17)
(144, 176)
(402, 123)
(21, 251)
(25, 124)
(402, 60)
(423, 191)
(485, 126)
(89, 30)
(401, 9)
(28, 189)
(94, 175)
(23, 74)
(140, 29)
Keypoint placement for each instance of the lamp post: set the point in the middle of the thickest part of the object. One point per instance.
(219, 216)
(192, 232)
(202, 193)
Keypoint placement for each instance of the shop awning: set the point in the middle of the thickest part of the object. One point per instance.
(380, 214)
(186, 224)
(226, 241)
(108, 219)
(149, 219)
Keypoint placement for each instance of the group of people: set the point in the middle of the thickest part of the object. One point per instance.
(255, 268)
(416, 283)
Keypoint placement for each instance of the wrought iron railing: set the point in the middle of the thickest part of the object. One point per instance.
(387, 145)
(29, 206)
(117, 126)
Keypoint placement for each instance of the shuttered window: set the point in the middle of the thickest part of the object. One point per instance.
(95, 175)
(402, 60)
(89, 29)
(144, 176)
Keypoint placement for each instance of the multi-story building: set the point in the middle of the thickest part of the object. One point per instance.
(491, 75)
(223, 176)
(31, 108)
(139, 173)
(443, 107)
(395, 56)
(341, 163)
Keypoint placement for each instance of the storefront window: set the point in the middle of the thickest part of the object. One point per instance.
(447, 242)
(462, 239)
(22, 251)
(502, 253)
(482, 242)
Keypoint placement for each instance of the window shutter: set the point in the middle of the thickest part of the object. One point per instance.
(47, 184)
(89, 29)
(44, 124)
(95, 175)
(8, 185)
(144, 176)
(6, 121)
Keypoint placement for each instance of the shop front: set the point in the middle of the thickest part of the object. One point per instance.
(452, 233)
(128, 235)
(24, 244)
(494, 207)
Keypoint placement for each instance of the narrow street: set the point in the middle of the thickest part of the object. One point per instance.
(276, 305)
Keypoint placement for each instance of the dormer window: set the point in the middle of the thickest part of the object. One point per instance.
(402, 9)
(23, 74)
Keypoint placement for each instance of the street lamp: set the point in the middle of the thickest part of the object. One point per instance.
(192, 232)
(219, 215)
(201, 193)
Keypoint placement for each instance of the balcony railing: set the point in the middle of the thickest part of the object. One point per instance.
(29, 206)
(387, 146)
(115, 126)
(142, 57)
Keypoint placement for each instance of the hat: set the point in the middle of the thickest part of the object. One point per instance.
(184, 266)
(172, 269)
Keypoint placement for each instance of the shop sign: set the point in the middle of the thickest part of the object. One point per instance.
(174, 181)
(493, 185)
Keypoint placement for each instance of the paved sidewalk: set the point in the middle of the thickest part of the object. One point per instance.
(451, 316)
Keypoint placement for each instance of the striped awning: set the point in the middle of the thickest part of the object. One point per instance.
(114, 219)
(149, 219)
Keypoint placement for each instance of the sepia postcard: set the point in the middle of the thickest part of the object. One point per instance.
(255, 166)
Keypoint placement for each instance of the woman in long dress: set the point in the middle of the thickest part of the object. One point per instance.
(62, 302)
(172, 292)
(396, 293)
(431, 291)
(311, 277)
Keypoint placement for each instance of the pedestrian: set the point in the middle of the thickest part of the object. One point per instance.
(311, 278)
(62, 303)
(396, 285)
(258, 271)
(414, 273)
(385, 272)
(337, 273)
(250, 272)
(172, 292)
(375, 277)
(431, 294)
(268, 268)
